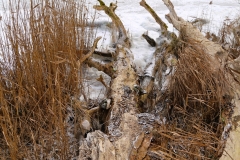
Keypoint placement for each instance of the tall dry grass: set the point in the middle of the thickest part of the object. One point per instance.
(198, 101)
(40, 75)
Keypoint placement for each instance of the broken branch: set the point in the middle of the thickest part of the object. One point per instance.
(149, 39)
(100, 79)
(163, 25)
(191, 33)
(122, 38)
(89, 54)
(170, 6)
(106, 68)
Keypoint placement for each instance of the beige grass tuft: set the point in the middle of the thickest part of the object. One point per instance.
(199, 104)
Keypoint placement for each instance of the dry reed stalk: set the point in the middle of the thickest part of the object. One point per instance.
(40, 76)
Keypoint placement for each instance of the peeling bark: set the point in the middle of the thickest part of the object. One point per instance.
(161, 51)
(97, 147)
(122, 123)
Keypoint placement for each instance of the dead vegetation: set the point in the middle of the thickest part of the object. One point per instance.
(230, 37)
(188, 119)
(41, 76)
(41, 81)
(198, 105)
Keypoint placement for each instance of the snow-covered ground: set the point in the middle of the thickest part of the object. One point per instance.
(137, 21)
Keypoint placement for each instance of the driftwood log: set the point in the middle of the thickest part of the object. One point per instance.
(123, 136)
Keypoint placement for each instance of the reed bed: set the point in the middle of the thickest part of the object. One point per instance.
(41, 43)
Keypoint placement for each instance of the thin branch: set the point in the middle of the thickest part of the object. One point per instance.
(163, 25)
(103, 54)
(100, 79)
(170, 6)
(123, 38)
(89, 54)
(106, 68)
(85, 51)
(108, 89)
(149, 39)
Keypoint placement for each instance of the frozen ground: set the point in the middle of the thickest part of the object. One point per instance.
(137, 21)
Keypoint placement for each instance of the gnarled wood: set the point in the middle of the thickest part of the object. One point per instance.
(122, 38)
(122, 127)
(161, 50)
(163, 25)
(218, 55)
(124, 138)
